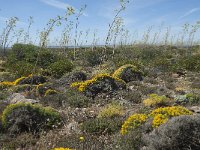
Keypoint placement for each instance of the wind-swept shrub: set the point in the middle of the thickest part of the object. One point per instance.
(25, 117)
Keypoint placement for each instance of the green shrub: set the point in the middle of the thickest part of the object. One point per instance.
(55, 100)
(23, 52)
(22, 68)
(102, 125)
(59, 68)
(191, 63)
(46, 57)
(130, 141)
(25, 117)
(93, 58)
(77, 100)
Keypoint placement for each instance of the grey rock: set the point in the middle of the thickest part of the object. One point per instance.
(19, 98)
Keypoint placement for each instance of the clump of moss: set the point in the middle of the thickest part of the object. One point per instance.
(25, 117)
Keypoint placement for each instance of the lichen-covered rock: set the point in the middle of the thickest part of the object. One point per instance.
(128, 73)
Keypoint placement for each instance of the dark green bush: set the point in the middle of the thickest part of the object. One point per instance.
(22, 68)
(93, 58)
(76, 99)
(59, 68)
(130, 141)
(191, 63)
(56, 100)
(179, 133)
(102, 125)
(25, 117)
(46, 57)
(23, 52)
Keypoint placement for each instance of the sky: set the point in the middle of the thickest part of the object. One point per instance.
(138, 16)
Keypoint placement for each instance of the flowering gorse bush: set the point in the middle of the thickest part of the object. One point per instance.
(30, 79)
(132, 122)
(84, 84)
(159, 115)
(128, 73)
(5, 84)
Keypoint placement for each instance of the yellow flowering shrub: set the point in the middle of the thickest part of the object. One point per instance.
(161, 115)
(155, 100)
(19, 79)
(5, 84)
(118, 73)
(83, 84)
(110, 111)
(133, 122)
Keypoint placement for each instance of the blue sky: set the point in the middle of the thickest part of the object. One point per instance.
(139, 15)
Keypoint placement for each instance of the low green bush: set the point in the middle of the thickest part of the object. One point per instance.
(59, 68)
(93, 58)
(102, 125)
(25, 117)
(46, 57)
(22, 68)
(76, 99)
